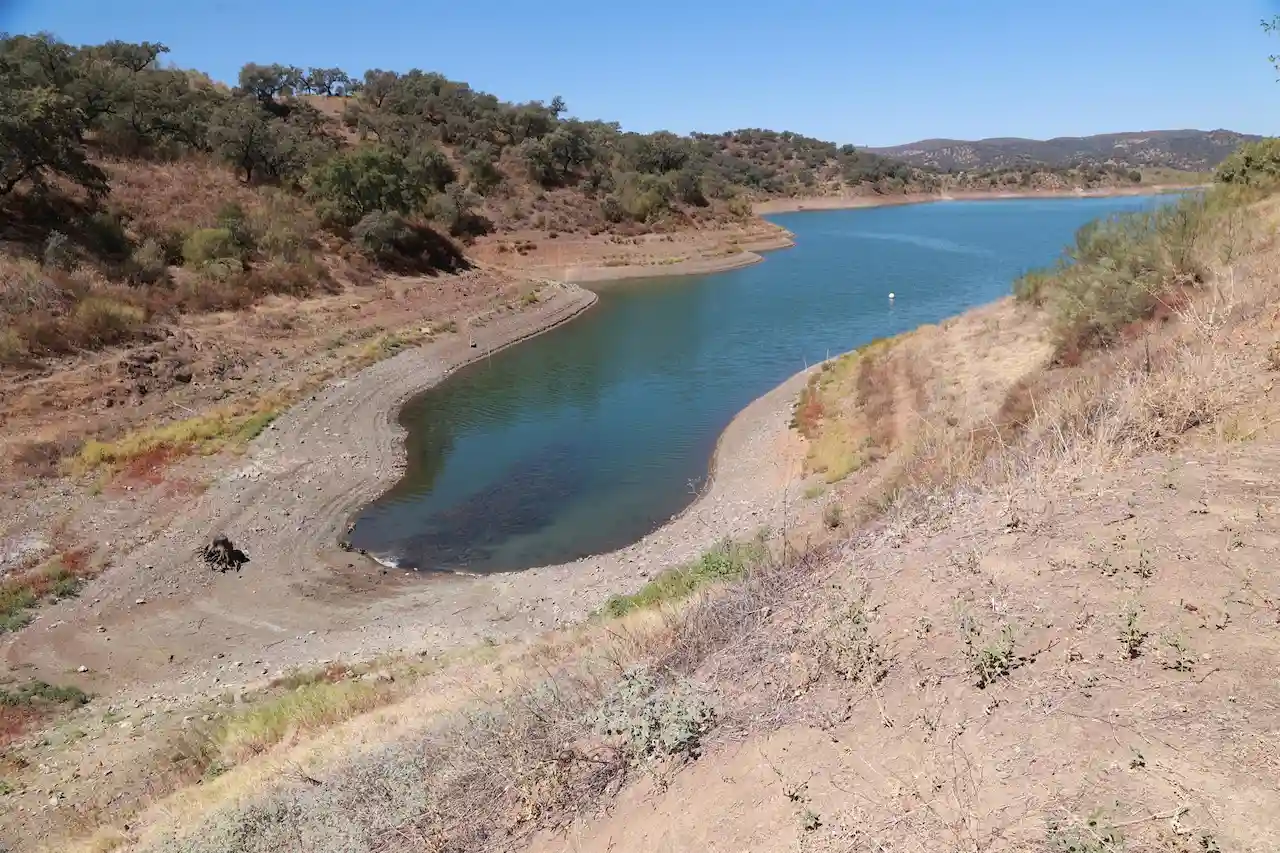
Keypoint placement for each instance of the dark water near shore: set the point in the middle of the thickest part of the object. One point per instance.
(586, 438)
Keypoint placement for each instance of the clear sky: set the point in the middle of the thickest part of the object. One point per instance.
(871, 73)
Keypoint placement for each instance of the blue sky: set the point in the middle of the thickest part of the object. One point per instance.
(877, 73)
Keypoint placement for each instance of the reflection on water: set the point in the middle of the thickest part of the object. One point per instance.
(586, 438)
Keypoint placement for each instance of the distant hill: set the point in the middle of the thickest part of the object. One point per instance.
(1189, 150)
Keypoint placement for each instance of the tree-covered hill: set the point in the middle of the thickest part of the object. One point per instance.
(130, 188)
(1186, 150)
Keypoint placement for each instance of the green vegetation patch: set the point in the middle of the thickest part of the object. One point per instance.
(306, 708)
(21, 592)
(38, 692)
(726, 562)
(1123, 270)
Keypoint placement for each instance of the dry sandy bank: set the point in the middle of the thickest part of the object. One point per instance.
(749, 254)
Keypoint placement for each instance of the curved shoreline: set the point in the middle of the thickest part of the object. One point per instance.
(302, 599)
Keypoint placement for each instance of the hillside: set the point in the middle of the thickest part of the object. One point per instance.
(1016, 601)
(1183, 150)
(1005, 583)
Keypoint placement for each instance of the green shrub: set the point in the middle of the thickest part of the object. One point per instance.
(105, 236)
(149, 263)
(1252, 164)
(233, 219)
(482, 170)
(381, 233)
(354, 184)
(1119, 270)
(13, 350)
(205, 246)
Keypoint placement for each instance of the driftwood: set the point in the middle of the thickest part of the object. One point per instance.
(221, 554)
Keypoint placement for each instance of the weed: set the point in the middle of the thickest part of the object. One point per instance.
(809, 409)
(1122, 270)
(814, 491)
(206, 246)
(6, 787)
(20, 592)
(22, 707)
(988, 661)
(727, 561)
(847, 648)
(1091, 837)
(1131, 635)
(653, 720)
(35, 692)
(203, 435)
(832, 515)
(1143, 567)
(1178, 656)
(810, 820)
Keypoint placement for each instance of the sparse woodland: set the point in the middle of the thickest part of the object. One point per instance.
(133, 191)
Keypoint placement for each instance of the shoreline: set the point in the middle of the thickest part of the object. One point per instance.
(708, 265)
(294, 493)
(302, 599)
(854, 202)
(753, 247)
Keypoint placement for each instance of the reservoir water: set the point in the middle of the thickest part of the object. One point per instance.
(584, 439)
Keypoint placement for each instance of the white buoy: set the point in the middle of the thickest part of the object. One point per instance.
(890, 295)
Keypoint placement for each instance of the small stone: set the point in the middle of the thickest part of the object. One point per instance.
(140, 601)
(82, 668)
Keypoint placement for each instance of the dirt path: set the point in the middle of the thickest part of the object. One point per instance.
(159, 623)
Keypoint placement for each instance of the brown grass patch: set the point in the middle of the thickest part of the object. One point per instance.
(177, 196)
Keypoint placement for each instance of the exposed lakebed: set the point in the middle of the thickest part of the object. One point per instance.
(584, 439)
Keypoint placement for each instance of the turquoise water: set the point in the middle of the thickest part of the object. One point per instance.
(586, 438)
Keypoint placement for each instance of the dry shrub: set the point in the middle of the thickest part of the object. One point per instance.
(101, 321)
(809, 409)
(42, 459)
(52, 312)
(217, 290)
(1127, 268)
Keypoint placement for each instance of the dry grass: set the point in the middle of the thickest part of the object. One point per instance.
(221, 429)
(175, 197)
(305, 709)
